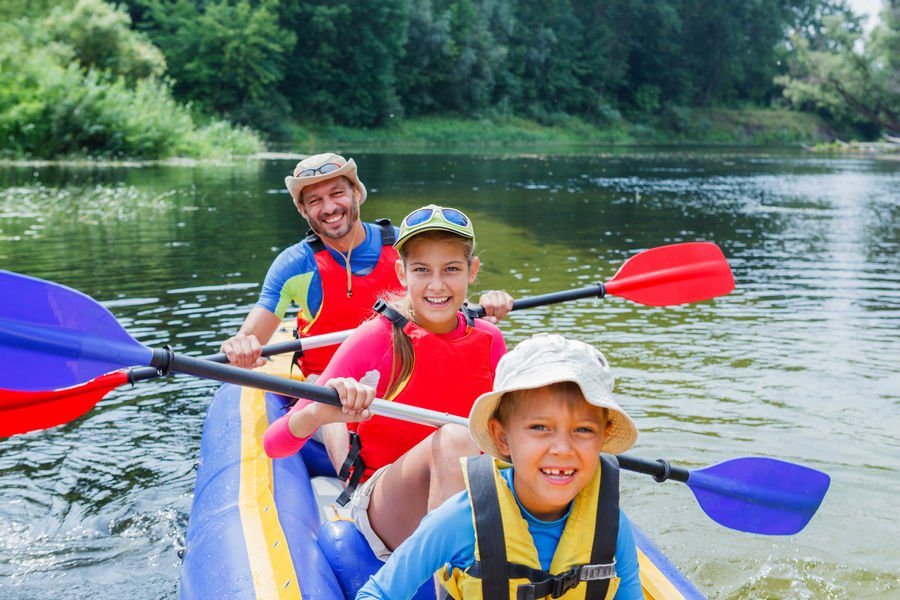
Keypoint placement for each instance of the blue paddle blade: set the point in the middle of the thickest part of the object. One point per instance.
(52, 336)
(759, 495)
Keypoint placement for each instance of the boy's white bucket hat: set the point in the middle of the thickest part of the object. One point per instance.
(337, 166)
(548, 358)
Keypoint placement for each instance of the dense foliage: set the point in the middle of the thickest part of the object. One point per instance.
(81, 82)
(283, 66)
(364, 62)
(850, 76)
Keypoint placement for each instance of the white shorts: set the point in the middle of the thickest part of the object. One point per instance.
(359, 510)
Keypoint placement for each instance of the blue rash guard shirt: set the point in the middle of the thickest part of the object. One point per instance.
(447, 535)
(294, 275)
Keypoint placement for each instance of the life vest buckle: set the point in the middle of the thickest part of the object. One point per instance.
(564, 582)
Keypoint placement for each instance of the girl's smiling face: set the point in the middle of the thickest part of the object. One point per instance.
(436, 274)
(554, 443)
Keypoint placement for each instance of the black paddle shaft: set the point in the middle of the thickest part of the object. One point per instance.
(136, 374)
(165, 361)
(598, 290)
(660, 468)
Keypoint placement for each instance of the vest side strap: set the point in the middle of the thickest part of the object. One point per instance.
(390, 314)
(387, 232)
(352, 469)
(488, 526)
(606, 532)
(469, 314)
(314, 241)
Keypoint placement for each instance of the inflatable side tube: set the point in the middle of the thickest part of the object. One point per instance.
(252, 519)
(660, 579)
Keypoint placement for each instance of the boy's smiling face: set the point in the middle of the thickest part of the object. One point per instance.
(554, 443)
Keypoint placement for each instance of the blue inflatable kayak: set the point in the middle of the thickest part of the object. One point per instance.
(258, 530)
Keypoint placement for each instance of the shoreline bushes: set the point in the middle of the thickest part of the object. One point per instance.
(61, 99)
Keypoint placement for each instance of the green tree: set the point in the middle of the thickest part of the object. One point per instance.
(14, 9)
(424, 67)
(225, 56)
(102, 37)
(848, 75)
(453, 59)
(545, 58)
(53, 107)
(342, 68)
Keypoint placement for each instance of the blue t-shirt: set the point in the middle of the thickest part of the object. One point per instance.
(447, 535)
(294, 275)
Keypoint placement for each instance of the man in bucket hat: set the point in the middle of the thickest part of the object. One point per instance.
(336, 274)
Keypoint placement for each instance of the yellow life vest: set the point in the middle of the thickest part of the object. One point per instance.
(506, 560)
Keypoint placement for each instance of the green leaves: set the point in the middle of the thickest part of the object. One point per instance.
(102, 38)
(53, 107)
(844, 73)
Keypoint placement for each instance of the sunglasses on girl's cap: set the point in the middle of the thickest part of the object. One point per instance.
(434, 218)
(423, 215)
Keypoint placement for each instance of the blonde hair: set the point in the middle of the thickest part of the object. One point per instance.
(402, 362)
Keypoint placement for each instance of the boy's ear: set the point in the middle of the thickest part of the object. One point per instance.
(499, 436)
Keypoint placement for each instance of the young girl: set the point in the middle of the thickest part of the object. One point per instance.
(421, 350)
(549, 524)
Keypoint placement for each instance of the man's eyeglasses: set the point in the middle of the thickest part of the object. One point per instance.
(323, 170)
(424, 215)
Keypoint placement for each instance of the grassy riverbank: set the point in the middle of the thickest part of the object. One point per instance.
(675, 125)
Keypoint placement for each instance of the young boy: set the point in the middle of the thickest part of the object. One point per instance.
(549, 524)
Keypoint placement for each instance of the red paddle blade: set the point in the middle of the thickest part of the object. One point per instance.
(21, 412)
(675, 274)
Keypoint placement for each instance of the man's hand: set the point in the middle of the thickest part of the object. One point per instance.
(244, 351)
(496, 304)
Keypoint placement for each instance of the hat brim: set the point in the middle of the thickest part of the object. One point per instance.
(622, 433)
(296, 184)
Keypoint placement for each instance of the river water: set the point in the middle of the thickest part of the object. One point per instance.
(800, 362)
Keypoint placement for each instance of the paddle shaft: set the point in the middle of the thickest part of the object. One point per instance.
(660, 469)
(136, 374)
(662, 276)
(598, 290)
(165, 360)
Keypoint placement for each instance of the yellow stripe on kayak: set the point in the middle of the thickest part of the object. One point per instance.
(654, 583)
(270, 560)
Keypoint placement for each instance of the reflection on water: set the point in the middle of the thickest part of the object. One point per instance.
(798, 363)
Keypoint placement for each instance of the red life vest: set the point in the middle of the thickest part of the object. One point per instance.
(340, 310)
(447, 376)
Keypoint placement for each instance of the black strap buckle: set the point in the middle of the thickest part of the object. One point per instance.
(564, 582)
